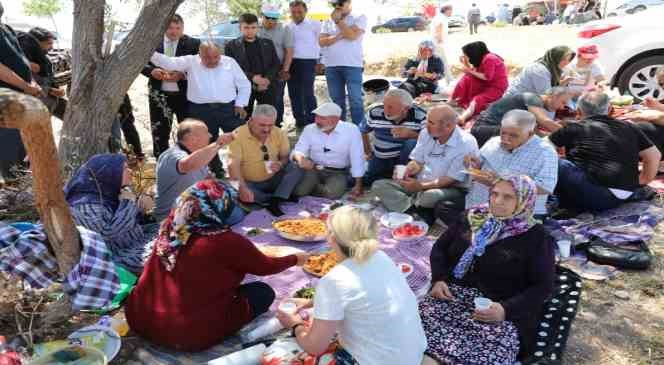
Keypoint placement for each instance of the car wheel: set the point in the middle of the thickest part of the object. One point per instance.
(638, 78)
(411, 30)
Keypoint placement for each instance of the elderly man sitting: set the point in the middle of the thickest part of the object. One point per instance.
(185, 163)
(518, 151)
(259, 161)
(435, 172)
(542, 106)
(601, 168)
(329, 151)
(395, 123)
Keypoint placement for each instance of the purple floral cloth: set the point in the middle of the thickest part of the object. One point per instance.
(285, 284)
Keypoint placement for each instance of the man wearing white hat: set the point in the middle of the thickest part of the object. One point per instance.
(282, 37)
(329, 151)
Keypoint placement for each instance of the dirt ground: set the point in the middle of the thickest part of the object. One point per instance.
(608, 329)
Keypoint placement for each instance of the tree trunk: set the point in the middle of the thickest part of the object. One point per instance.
(99, 84)
(31, 117)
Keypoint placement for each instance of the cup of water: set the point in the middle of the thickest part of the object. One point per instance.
(482, 304)
(564, 247)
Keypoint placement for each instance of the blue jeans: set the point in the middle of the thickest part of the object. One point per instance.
(576, 191)
(340, 79)
(380, 168)
(301, 91)
(281, 185)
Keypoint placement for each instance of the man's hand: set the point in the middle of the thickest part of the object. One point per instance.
(356, 192)
(305, 164)
(246, 195)
(225, 139)
(239, 111)
(145, 203)
(284, 75)
(127, 194)
(472, 162)
(33, 89)
(368, 155)
(276, 166)
(411, 170)
(158, 74)
(495, 313)
(57, 92)
(175, 76)
(440, 290)
(411, 185)
(289, 320)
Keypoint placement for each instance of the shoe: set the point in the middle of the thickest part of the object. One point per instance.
(273, 207)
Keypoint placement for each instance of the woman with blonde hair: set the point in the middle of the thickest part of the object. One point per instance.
(364, 298)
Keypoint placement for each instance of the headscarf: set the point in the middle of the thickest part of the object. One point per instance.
(98, 181)
(206, 208)
(475, 52)
(487, 229)
(552, 60)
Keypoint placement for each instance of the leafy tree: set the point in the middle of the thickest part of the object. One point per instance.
(239, 7)
(43, 9)
(215, 10)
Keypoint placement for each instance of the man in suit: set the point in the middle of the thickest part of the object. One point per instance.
(258, 59)
(168, 89)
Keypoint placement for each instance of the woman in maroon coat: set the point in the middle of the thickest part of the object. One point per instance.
(189, 296)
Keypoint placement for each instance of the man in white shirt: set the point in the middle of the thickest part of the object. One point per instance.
(440, 32)
(436, 171)
(341, 39)
(168, 89)
(329, 151)
(306, 52)
(218, 91)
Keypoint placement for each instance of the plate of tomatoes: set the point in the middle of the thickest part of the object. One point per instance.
(405, 268)
(410, 231)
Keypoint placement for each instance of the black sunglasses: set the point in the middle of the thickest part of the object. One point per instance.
(337, 4)
(270, 18)
(266, 156)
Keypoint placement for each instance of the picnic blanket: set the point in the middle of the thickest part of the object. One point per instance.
(629, 222)
(285, 284)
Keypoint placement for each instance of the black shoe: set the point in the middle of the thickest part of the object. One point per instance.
(273, 207)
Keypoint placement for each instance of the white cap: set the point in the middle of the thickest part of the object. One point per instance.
(328, 110)
(271, 10)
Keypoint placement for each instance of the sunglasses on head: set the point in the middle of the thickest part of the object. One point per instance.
(338, 4)
(266, 156)
(270, 18)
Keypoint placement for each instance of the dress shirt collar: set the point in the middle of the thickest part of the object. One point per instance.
(523, 147)
(453, 140)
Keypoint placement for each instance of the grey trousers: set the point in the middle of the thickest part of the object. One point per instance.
(396, 199)
(324, 183)
(281, 185)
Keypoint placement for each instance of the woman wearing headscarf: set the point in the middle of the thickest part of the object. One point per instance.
(190, 295)
(544, 74)
(101, 200)
(501, 253)
(423, 72)
(484, 80)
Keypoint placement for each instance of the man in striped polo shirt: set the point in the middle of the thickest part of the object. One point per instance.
(396, 124)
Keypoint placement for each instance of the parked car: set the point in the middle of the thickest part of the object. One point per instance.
(634, 6)
(403, 24)
(457, 21)
(631, 49)
(221, 33)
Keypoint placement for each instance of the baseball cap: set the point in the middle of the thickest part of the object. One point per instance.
(271, 11)
(328, 110)
(589, 52)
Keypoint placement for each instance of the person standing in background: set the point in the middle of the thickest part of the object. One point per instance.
(440, 32)
(167, 88)
(282, 37)
(341, 39)
(306, 52)
(474, 18)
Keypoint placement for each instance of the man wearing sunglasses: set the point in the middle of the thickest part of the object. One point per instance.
(259, 161)
(341, 39)
(282, 37)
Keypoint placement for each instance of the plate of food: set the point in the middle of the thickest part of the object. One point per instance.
(410, 231)
(477, 173)
(405, 268)
(301, 229)
(278, 251)
(320, 265)
(306, 292)
(393, 220)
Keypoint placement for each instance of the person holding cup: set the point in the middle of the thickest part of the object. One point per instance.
(491, 274)
(259, 161)
(364, 298)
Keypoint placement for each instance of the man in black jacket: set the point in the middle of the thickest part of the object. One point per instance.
(258, 59)
(168, 89)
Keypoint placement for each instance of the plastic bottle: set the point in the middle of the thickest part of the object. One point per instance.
(7, 355)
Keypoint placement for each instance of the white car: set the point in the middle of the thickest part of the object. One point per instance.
(631, 48)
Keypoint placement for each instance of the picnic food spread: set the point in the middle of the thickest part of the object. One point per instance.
(320, 265)
(410, 230)
(301, 229)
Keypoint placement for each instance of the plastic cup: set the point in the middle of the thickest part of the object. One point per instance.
(564, 247)
(400, 171)
(482, 304)
(288, 307)
(268, 166)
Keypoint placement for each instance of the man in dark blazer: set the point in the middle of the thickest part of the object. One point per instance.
(258, 59)
(168, 89)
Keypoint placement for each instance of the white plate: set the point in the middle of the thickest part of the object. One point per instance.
(394, 220)
(102, 338)
(405, 264)
(422, 225)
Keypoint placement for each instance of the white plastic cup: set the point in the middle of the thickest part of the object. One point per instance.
(268, 166)
(288, 307)
(482, 304)
(400, 171)
(564, 247)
